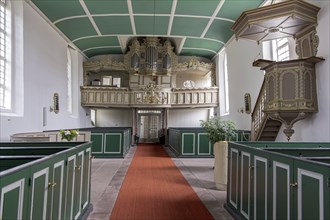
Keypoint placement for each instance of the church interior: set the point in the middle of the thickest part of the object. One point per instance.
(164, 109)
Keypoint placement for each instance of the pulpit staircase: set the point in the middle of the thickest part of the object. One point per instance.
(263, 127)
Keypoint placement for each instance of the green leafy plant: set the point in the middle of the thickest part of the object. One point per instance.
(68, 134)
(219, 130)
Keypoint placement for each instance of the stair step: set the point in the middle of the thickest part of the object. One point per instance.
(271, 128)
(266, 139)
(273, 123)
(269, 134)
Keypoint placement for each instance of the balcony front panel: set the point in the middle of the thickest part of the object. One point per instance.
(102, 96)
(206, 97)
(94, 96)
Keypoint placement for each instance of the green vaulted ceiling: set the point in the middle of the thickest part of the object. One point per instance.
(95, 27)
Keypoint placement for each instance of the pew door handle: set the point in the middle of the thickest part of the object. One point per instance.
(50, 185)
(294, 184)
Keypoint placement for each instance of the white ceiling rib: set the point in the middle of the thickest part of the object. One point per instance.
(170, 23)
(131, 17)
(83, 5)
(216, 11)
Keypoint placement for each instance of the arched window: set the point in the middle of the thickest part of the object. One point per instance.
(5, 51)
(69, 78)
(222, 70)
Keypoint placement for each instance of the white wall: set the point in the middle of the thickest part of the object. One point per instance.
(317, 127)
(114, 118)
(44, 73)
(187, 117)
(242, 78)
(177, 117)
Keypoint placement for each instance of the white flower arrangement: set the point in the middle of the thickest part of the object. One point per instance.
(68, 135)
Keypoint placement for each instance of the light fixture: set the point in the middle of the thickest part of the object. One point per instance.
(150, 96)
(273, 30)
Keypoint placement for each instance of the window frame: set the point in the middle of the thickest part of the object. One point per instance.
(5, 55)
(223, 82)
(69, 81)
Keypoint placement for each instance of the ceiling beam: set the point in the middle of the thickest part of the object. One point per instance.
(170, 23)
(83, 5)
(131, 16)
(216, 11)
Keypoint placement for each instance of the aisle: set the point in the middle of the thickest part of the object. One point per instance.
(155, 189)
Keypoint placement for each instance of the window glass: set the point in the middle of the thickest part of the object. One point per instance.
(116, 81)
(226, 85)
(280, 49)
(69, 78)
(5, 78)
(107, 81)
(222, 70)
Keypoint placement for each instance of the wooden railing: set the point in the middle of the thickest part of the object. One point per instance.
(98, 96)
(258, 116)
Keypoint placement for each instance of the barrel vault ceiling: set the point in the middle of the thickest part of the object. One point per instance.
(96, 27)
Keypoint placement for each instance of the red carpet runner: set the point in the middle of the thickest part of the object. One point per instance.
(155, 189)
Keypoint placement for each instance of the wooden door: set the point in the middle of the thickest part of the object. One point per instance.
(39, 192)
(70, 186)
(79, 169)
(86, 178)
(56, 191)
(149, 127)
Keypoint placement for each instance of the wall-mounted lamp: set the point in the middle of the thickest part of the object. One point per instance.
(241, 110)
(55, 107)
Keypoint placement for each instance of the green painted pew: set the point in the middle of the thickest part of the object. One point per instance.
(278, 180)
(45, 180)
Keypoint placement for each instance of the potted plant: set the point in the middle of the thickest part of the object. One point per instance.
(218, 129)
(219, 132)
(68, 135)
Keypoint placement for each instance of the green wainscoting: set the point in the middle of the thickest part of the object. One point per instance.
(53, 184)
(113, 142)
(189, 142)
(274, 180)
(98, 143)
(194, 142)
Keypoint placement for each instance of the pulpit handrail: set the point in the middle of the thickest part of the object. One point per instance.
(258, 117)
(259, 97)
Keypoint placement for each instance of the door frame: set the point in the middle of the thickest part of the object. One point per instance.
(149, 112)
